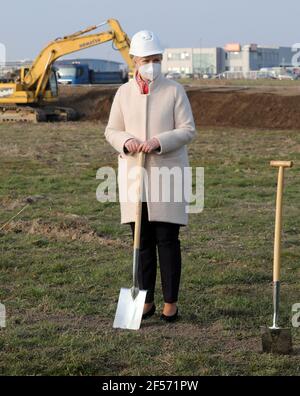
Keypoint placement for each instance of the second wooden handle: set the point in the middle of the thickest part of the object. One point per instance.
(278, 226)
(278, 220)
(284, 164)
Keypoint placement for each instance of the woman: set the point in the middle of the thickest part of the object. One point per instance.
(152, 114)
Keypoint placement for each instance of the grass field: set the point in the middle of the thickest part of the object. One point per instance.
(64, 260)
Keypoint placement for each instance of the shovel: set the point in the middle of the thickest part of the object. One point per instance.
(276, 339)
(131, 301)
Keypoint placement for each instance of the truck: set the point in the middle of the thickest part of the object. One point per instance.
(81, 74)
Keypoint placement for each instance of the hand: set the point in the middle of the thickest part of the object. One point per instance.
(132, 145)
(149, 146)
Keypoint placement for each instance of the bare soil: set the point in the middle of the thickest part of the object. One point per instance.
(215, 105)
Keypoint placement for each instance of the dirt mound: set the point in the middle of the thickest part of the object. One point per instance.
(246, 110)
(92, 103)
(211, 107)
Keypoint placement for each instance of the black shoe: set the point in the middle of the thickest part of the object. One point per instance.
(150, 313)
(169, 318)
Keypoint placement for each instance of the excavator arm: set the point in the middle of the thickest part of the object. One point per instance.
(28, 98)
(37, 77)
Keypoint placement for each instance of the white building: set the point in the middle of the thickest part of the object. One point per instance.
(252, 57)
(193, 60)
(233, 57)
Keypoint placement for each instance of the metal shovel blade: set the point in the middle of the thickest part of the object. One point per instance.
(130, 310)
(277, 341)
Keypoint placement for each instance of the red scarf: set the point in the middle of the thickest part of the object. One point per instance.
(144, 86)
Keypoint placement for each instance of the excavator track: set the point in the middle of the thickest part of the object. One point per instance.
(57, 113)
(27, 114)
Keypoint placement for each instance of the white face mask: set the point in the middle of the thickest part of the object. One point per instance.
(150, 70)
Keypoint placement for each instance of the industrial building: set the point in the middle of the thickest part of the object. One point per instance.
(98, 65)
(90, 71)
(233, 57)
(193, 60)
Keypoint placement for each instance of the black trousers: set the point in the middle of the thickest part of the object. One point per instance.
(165, 237)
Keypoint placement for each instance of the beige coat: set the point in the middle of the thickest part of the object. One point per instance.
(164, 113)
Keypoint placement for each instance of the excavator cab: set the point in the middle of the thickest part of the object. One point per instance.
(52, 85)
(51, 92)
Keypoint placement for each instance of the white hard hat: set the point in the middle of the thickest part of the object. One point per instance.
(145, 43)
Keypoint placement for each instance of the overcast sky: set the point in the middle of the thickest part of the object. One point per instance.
(29, 25)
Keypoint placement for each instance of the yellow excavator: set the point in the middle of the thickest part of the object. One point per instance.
(30, 96)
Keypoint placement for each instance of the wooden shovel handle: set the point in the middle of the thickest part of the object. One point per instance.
(278, 221)
(138, 214)
(284, 164)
